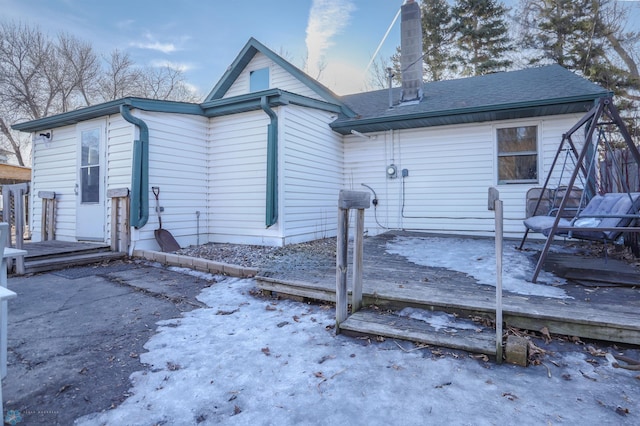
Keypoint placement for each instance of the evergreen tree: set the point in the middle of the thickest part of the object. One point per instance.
(566, 32)
(482, 38)
(437, 38)
(583, 36)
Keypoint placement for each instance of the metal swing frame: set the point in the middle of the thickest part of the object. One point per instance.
(602, 114)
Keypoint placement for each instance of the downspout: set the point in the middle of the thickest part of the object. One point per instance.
(139, 208)
(271, 214)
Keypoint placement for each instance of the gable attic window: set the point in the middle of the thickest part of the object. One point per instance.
(259, 80)
(518, 154)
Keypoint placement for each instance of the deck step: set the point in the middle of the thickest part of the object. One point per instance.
(65, 261)
(600, 270)
(433, 328)
(54, 252)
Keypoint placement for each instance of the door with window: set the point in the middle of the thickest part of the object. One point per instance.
(89, 187)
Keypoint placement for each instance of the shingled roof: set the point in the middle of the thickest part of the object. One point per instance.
(532, 92)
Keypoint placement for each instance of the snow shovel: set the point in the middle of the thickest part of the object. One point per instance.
(163, 237)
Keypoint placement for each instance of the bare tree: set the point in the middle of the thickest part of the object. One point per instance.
(25, 92)
(166, 83)
(40, 76)
(24, 56)
(590, 38)
(377, 78)
(82, 69)
(14, 144)
(120, 77)
(624, 45)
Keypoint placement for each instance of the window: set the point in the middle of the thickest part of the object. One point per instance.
(90, 166)
(518, 154)
(259, 80)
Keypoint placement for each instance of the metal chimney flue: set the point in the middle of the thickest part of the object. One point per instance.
(411, 52)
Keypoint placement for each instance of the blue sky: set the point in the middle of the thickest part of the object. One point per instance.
(204, 36)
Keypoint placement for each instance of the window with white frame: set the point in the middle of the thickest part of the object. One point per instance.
(517, 154)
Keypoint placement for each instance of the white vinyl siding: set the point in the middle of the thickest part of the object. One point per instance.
(237, 175)
(120, 147)
(54, 169)
(450, 169)
(118, 161)
(312, 174)
(178, 167)
(279, 77)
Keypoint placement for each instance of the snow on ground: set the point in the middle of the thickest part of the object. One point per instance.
(439, 320)
(246, 360)
(476, 258)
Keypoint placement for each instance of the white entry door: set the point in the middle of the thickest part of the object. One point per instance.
(90, 191)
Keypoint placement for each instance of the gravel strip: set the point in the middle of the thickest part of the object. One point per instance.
(309, 253)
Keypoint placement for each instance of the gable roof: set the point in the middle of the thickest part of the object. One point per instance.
(214, 105)
(245, 56)
(532, 92)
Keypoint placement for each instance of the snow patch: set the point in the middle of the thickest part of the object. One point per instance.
(476, 258)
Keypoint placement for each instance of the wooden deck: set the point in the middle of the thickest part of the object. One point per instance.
(599, 310)
(51, 255)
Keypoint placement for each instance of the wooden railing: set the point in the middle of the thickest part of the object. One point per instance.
(14, 213)
(358, 201)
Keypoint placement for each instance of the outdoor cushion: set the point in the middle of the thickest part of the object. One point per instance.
(612, 204)
(543, 224)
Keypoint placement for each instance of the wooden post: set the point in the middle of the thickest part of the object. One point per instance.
(48, 219)
(349, 200)
(119, 219)
(358, 249)
(495, 203)
(342, 247)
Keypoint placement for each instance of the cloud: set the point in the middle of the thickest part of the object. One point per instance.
(326, 19)
(155, 45)
(152, 43)
(180, 66)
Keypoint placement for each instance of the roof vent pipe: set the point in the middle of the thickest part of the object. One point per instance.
(411, 51)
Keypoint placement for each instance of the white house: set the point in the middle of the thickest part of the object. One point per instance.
(263, 158)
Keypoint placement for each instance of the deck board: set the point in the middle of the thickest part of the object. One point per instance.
(53, 255)
(49, 248)
(373, 323)
(605, 313)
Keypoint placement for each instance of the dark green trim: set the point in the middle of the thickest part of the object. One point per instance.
(139, 207)
(271, 208)
(107, 108)
(245, 56)
(576, 104)
(216, 108)
(253, 102)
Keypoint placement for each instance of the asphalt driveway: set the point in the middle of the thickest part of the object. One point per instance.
(75, 336)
